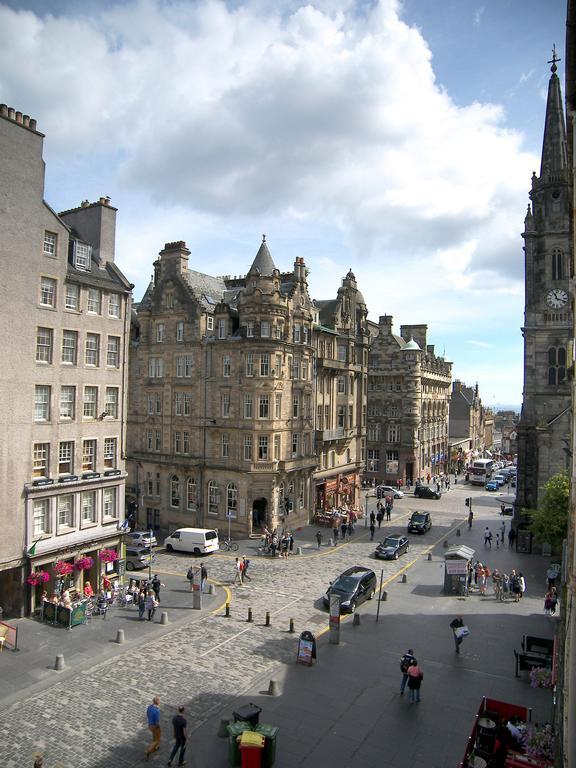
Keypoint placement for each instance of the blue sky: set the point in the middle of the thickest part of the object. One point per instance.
(394, 138)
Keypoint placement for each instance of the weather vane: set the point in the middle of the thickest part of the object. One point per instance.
(554, 59)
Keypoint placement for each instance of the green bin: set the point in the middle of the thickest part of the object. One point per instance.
(270, 732)
(235, 730)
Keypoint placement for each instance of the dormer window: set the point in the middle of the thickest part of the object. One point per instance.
(222, 328)
(82, 255)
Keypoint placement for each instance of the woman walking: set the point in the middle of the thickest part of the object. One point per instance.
(415, 677)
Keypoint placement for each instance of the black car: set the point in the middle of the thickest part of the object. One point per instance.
(419, 522)
(425, 492)
(392, 547)
(353, 587)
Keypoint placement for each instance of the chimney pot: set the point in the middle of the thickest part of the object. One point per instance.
(26, 120)
(33, 123)
(3, 110)
(19, 117)
(11, 113)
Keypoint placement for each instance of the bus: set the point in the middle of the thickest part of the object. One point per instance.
(480, 471)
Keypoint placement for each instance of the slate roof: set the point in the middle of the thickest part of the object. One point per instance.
(263, 264)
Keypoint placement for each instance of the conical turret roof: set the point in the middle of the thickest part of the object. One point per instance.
(263, 264)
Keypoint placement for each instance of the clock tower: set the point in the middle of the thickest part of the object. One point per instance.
(544, 428)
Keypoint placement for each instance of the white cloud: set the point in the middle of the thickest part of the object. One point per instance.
(476, 343)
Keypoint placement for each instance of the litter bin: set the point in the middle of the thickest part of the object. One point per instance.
(249, 713)
(251, 748)
(270, 733)
(235, 730)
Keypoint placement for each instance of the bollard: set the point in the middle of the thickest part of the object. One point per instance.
(356, 620)
(267, 622)
(227, 612)
(404, 578)
(249, 619)
(291, 629)
(429, 556)
(458, 532)
(384, 596)
(298, 550)
(59, 665)
(211, 589)
(120, 636)
(164, 617)
(223, 729)
(273, 688)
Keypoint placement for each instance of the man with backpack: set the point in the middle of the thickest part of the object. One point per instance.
(407, 660)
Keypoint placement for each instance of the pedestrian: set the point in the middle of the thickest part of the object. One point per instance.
(151, 604)
(350, 529)
(515, 586)
(548, 602)
(553, 600)
(459, 631)
(497, 539)
(245, 566)
(179, 725)
(379, 517)
(511, 536)
(203, 578)
(497, 583)
(388, 511)
(319, 539)
(153, 718)
(290, 543)
(482, 580)
(141, 604)
(156, 584)
(284, 543)
(343, 529)
(273, 544)
(522, 582)
(372, 530)
(487, 537)
(372, 517)
(502, 531)
(415, 677)
(238, 572)
(551, 576)
(405, 664)
(505, 587)
(470, 518)
(478, 568)
(335, 533)
(190, 577)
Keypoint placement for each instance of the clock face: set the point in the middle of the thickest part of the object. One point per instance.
(557, 298)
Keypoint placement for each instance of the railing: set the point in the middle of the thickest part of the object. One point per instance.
(332, 434)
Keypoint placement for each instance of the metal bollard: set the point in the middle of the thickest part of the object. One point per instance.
(356, 620)
(298, 550)
(458, 532)
(59, 665)
(227, 610)
(291, 629)
(120, 636)
(249, 619)
(273, 688)
(384, 596)
(267, 622)
(211, 589)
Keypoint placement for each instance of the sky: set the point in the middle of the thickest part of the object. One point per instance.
(394, 138)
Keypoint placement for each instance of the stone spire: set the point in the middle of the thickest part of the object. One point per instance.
(263, 264)
(554, 148)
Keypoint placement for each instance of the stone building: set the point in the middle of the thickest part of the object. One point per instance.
(544, 427)
(470, 425)
(65, 319)
(408, 401)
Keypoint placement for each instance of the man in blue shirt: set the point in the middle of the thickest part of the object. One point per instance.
(153, 717)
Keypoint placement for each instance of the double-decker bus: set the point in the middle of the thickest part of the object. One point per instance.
(480, 471)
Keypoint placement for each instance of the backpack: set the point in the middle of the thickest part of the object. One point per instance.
(404, 664)
(190, 574)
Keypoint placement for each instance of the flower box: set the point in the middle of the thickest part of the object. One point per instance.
(84, 563)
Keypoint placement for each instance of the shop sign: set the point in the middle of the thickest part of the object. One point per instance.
(306, 648)
(121, 567)
(456, 566)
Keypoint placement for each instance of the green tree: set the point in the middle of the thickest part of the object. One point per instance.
(549, 523)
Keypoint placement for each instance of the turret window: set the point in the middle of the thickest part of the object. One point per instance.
(556, 365)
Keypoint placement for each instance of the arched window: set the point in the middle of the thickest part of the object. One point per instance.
(557, 264)
(174, 491)
(231, 500)
(556, 365)
(191, 494)
(213, 498)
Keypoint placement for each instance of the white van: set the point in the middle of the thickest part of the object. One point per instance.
(199, 541)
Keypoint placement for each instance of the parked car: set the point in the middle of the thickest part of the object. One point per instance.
(138, 557)
(392, 547)
(419, 522)
(491, 485)
(199, 541)
(353, 587)
(388, 490)
(425, 492)
(140, 539)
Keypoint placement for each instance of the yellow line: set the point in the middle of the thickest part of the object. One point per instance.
(216, 584)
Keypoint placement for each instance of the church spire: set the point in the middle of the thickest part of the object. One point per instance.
(554, 148)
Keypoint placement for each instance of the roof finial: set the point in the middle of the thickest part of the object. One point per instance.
(554, 59)
(263, 238)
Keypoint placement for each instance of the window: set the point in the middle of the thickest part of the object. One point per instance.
(374, 431)
(177, 442)
(114, 305)
(111, 405)
(160, 333)
(265, 329)
(373, 462)
(47, 292)
(248, 402)
(304, 369)
(94, 301)
(169, 301)
(109, 503)
(50, 243)
(265, 365)
(226, 405)
(191, 493)
(40, 512)
(225, 445)
(88, 503)
(231, 500)
(226, 366)
(277, 444)
(82, 255)
(342, 353)
(110, 444)
(278, 406)
(66, 511)
(305, 334)
(278, 366)
(158, 440)
(222, 328)
(209, 323)
(180, 331)
(250, 329)
(557, 265)
(341, 385)
(247, 447)
(149, 484)
(295, 443)
(69, 347)
(393, 433)
(295, 371)
(184, 366)
(154, 404)
(182, 403)
(149, 440)
(41, 403)
(113, 352)
(213, 499)
(307, 407)
(92, 349)
(67, 402)
(66, 458)
(295, 406)
(296, 332)
(306, 445)
(155, 367)
(556, 365)
(88, 455)
(250, 364)
(174, 491)
(44, 341)
(320, 417)
(157, 483)
(264, 407)
(41, 460)
(341, 416)
(72, 296)
(186, 442)
(90, 402)
(262, 448)
(350, 416)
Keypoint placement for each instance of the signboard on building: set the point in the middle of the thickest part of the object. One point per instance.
(392, 467)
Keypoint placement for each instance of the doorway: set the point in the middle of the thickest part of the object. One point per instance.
(259, 510)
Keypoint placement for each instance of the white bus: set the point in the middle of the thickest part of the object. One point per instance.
(480, 471)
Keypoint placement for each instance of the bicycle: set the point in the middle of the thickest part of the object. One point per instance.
(227, 545)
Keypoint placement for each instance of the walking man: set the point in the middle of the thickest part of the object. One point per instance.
(457, 624)
(319, 539)
(487, 537)
(245, 566)
(203, 578)
(238, 572)
(372, 530)
(153, 718)
(156, 584)
(150, 604)
(470, 519)
(179, 724)
(405, 663)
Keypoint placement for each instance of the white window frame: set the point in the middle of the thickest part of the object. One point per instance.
(66, 457)
(113, 352)
(42, 398)
(109, 504)
(248, 447)
(41, 460)
(65, 511)
(69, 351)
(72, 299)
(112, 402)
(44, 345)
(225, 443)
(48, 289)
(114, 305)
(180, 330)
(88, 507)
(40, 517)
(94, 304)
(90, 402)
(89, 455)
(82, 254)
(50, 244)
(92, 350)
(110, 452)
(68, 402)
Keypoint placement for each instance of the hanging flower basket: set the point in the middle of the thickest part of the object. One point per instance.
(541, 678)
(62, 568)
(108, 555)
(38, 577)
(84, 563)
